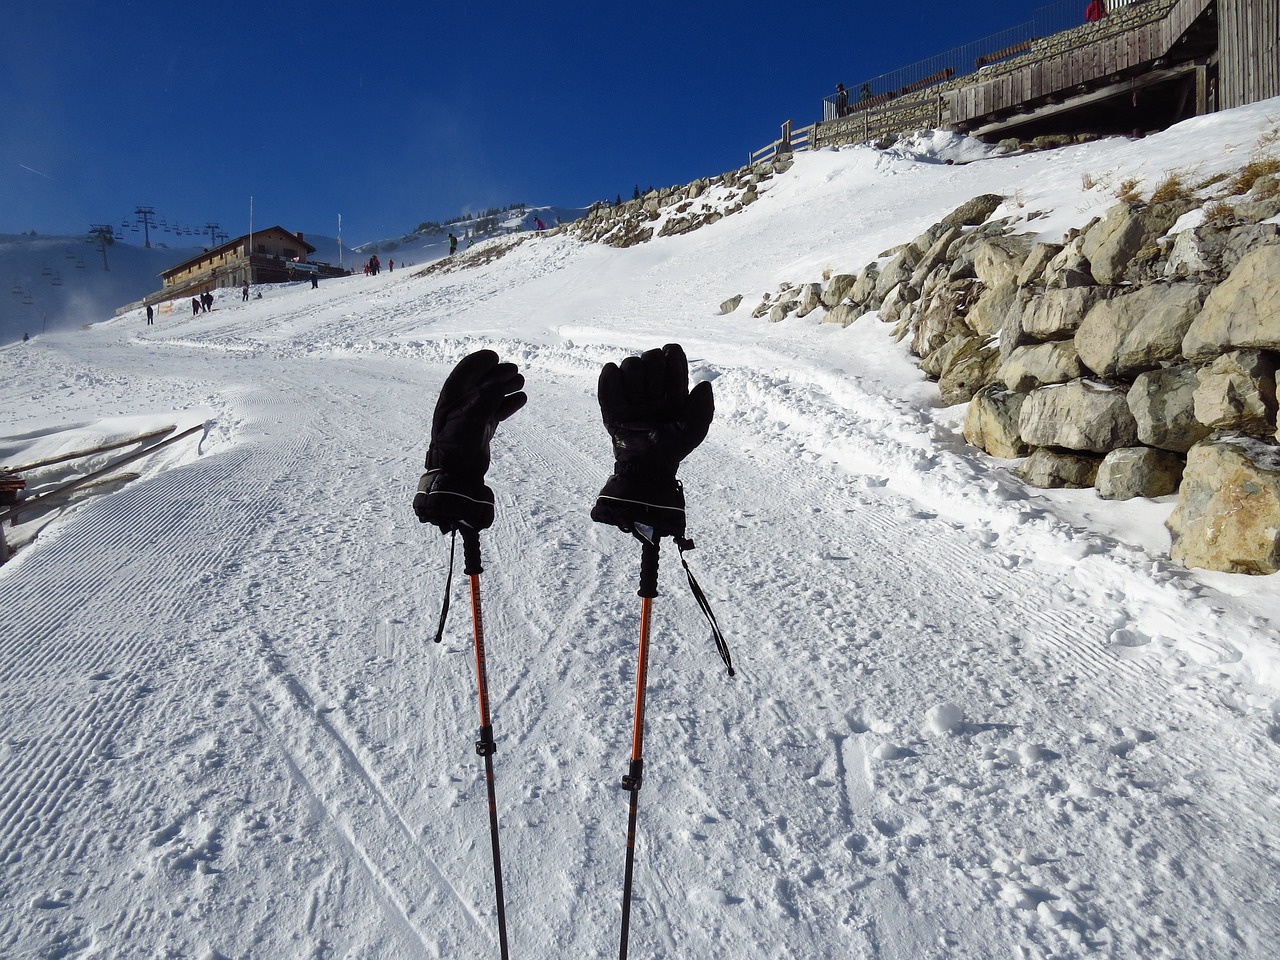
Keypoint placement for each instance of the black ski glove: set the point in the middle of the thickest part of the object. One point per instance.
(478, 394)
(655, 421)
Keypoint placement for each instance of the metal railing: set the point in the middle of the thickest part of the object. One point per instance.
(963, 60)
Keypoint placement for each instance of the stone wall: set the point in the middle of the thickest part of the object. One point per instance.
(1138, 356)
(676, 210)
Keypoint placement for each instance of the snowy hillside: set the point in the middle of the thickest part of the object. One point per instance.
(60, 283)
(971, 719)
(430, 245)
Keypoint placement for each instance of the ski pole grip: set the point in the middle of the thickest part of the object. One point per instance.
(471, 551)
(648, 569)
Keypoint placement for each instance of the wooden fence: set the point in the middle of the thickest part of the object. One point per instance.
(789, 142)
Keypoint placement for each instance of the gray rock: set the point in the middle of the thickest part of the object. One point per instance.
(1112, 243)
(843, 314)
(1138, 331)
(1053, 469)
(1228, 512)
(1033, 267)
(1237, 391)
(1070, 268)
(897, 271)
(838, 287)
(1080, 415)
(1138, 472)
(971, 364)
(987, 315)
(1163, 405)
(1242, 311)
(974, 211)
(1040, 364)
(1057, 313)
(731, 304)
(991, 422)
(810, 299)
(998, 260)
(864, 289)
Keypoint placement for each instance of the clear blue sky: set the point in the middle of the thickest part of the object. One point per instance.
(393, 113)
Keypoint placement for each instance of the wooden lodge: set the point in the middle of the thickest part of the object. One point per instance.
(1144, 67)
(273, 255)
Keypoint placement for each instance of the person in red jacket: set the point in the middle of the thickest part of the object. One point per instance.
(1096, 10)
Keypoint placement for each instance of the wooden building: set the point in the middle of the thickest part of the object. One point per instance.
(273, 255)
(1146, 66)
(1248, 51)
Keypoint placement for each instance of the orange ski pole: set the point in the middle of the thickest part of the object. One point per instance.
(485, 745)
(635, 773)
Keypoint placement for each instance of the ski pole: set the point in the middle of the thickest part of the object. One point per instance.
(485, 745)
(635, 772)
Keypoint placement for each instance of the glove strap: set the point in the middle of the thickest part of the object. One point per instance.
(448, 585)
(722, 646)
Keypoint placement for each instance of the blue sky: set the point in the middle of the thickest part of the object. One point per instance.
(394, 113)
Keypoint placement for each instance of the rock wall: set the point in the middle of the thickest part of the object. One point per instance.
(676, 210)
(1138, 356)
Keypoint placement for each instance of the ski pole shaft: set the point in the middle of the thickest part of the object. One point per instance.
(485, 745)
(635, 773)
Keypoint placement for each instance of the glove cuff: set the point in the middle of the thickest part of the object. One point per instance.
(452, 502)
(630, 500)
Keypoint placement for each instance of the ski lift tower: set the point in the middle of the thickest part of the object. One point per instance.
(145, 214)
(102, 235)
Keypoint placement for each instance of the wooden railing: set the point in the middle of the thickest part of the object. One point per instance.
(789, 142)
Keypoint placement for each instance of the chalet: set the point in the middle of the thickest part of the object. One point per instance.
(273, 255)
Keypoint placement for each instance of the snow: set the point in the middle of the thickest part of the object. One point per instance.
(970, 719)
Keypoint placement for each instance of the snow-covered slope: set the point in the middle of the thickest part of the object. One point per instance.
(970, 719)
(428, 246)
(58, 283)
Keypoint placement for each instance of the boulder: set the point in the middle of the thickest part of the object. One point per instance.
(1242, 311)
(1163, 405)
(1228, 512)
(934, 256)
(1033, 267)
(1138, 472)
(997, 260)
(1052, 469)
(970, 365)
(780, 311)
(864, 289)
(987, 315)
(1080, 415)
(1070, 268)
(1237, 391)
(838, 287)
(1057, 313)
(942, 317)
(991, 422)
(1138, 331)
(897, 271)
(731, 304)
(973, 212)
(843, 314)
(1040, 364)
(1111, 243)
(810, 299)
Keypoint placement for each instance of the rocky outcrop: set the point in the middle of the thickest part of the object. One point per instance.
(677, 210)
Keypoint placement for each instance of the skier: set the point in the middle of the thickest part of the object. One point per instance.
(244, 292)
(538, 225)
(453, 244)
(195, 306)
(151, 315)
